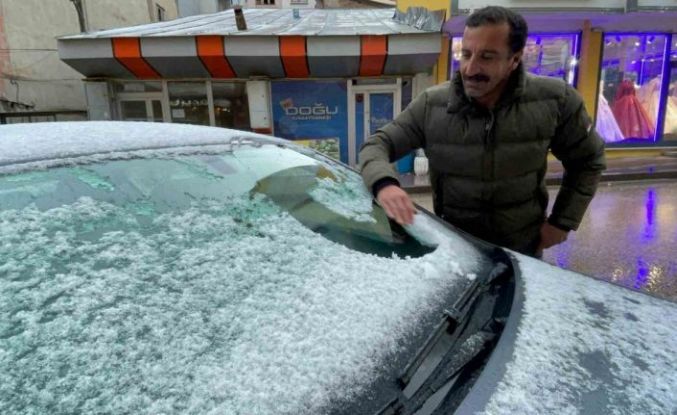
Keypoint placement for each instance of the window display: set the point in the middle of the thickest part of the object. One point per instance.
(632, 67)
(544, 54)
(606, 124)
(188, 102)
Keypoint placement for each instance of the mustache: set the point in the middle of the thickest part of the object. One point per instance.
(477, 78)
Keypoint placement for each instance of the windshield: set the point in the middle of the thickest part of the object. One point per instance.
(254, 280)
(329, 200)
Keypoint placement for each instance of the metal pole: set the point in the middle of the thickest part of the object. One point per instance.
(665, 89)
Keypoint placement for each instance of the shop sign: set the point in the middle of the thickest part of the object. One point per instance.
(189, 103)
(314, 113)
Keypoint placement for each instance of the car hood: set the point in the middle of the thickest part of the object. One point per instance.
(574, 344)
(38, 142)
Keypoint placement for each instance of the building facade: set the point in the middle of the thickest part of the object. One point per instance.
(620, 54)
(35, 85)
(325, 78)
(196, 7)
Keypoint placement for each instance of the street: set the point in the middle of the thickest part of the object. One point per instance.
(628, 236)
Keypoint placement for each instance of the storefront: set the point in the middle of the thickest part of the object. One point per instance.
(637, 103)
(330, 115)
(547, 54)
(327, 78)
(627, 61)
(221, 104)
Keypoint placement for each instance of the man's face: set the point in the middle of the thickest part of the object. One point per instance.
(486, 60)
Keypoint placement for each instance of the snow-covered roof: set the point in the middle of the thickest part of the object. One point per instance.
(276, 44)
(277, 22)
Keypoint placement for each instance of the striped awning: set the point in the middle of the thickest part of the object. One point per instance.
(318, 43)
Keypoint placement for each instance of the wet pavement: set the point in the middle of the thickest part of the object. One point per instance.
(628, 236)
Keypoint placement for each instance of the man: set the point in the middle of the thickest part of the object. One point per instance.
(487, 134)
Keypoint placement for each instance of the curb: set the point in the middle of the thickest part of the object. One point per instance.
(557, 180)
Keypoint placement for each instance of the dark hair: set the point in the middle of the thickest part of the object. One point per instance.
(497, 15)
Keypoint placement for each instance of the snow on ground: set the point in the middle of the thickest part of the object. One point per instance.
(586, 346)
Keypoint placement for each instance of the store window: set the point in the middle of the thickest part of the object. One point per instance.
(10, 118)
(546, 54)
(188, 102)
(231, 108)
(630, 93)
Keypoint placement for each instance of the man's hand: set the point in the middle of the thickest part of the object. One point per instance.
(397, 204)
(551, 236)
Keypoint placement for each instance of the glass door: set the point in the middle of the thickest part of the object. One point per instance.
(141, 110)
(372, 107)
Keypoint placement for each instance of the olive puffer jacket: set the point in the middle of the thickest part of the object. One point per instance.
(487, 167)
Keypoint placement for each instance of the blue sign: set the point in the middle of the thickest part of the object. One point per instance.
(313, 112)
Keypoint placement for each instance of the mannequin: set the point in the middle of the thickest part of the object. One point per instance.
(606, 124)
(632, 118)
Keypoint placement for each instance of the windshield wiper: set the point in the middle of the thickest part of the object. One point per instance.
(456, 348)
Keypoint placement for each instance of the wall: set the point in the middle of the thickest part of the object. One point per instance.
(657, 3)
(108, 14)
(195, 7)
(4, 53)
(32, 73)
(299, 4)
(441, 69)
(543, 4)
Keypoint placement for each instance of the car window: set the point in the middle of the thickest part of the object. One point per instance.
(226, 282)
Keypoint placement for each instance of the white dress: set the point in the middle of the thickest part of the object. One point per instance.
(649, 95)
(606, 124)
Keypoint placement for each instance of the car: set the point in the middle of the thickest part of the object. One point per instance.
(165, 268)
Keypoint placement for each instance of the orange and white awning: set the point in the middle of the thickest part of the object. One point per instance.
(319, 44)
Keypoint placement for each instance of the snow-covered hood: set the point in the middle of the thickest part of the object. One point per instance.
(574, 344)
(26, 143)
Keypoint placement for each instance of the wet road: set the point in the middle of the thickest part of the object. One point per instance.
(628, 236)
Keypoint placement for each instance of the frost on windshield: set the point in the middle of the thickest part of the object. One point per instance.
(344, 195)
(589, 347)
(220, 307)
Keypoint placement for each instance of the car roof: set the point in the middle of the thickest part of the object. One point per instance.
(26, 143)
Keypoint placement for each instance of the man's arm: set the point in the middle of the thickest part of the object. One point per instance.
(395, 140)
(581, 151)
